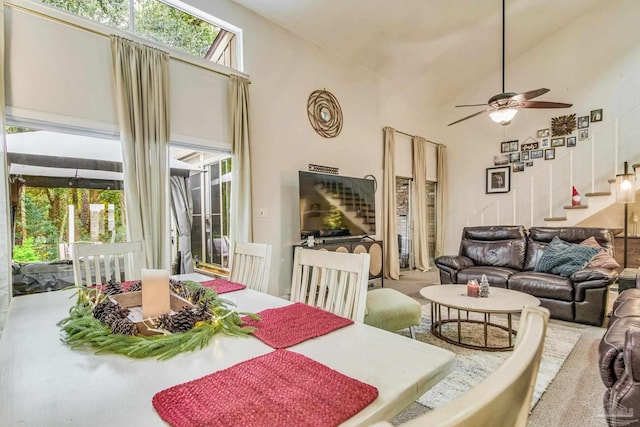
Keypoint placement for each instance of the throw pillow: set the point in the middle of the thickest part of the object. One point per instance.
(602, 258)
(564, 258)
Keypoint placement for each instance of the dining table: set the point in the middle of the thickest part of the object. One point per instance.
(44, 382)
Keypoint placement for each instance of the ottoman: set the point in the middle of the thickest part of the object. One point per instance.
(391, 310)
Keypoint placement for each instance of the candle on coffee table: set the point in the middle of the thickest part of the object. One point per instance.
(155, 293)
(473, 289)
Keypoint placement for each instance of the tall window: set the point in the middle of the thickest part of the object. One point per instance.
(211, 194)
(170, 23)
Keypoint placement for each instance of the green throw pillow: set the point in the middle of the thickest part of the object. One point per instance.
(564, 258)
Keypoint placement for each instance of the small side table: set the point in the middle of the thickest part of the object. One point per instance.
(627, 279)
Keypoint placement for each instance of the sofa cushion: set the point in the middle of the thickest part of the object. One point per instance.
(602, 259)
(496, 253)
(497, 276)
(535, 249)
(542, 285)
(564, 258)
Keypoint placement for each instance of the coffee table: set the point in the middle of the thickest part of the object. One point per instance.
(499, 301)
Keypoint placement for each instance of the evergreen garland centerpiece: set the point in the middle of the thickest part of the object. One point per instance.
(97, 321)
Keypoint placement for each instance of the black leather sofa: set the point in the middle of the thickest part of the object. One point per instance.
(508, 255)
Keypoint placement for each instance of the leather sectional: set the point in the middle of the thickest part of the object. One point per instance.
(508, 255)
(619, 360)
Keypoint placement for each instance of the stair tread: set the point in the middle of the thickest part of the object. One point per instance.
(611, 181)
(557, 218)
(598, 193)
(576, 207)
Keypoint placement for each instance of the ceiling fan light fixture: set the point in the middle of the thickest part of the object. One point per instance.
(503, 116)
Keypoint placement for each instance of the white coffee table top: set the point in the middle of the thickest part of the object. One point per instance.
(500, 300)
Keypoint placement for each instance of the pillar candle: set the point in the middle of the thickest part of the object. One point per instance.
(473, 289)
(155, 293)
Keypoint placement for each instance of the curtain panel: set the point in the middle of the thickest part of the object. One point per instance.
(141, 77)
(440, 199)
(391, 267)
(420, 226)
(241, 209)
(182, 211)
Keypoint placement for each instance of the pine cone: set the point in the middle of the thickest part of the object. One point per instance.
(113, 288)
(198, 295)
(164, 322)
(103, 309)
(124, 326)
(183, 321)
(178, 288)
(202, 311)
(120, 313)
(135, 287)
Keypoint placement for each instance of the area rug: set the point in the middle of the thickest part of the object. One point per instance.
(474, 365)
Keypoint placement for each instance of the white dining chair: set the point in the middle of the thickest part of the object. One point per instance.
(96, 263)
(504, 397)
(249, 264)
(334, 281)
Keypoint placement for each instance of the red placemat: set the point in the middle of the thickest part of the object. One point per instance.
(281, 388)
(292, 324)
(222, 286)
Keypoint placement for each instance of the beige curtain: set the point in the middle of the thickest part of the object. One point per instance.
(440, 199)
(141, 77)
(5, 222)
(420, 227)
(389, 226)
(241, 211)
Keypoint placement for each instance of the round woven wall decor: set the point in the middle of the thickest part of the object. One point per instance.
(324, 113)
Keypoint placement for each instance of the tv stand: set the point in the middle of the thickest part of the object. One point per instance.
(355, 245)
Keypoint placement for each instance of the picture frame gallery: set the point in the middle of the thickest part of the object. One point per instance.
(498, 180)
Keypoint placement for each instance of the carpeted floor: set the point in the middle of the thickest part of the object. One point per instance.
(574, 396)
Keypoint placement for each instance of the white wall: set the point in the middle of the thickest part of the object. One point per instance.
(284, 70)
(592, 63)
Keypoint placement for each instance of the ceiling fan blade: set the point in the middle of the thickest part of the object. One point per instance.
(468, 117)
(484, 104)
(529, 94)
(544, 104)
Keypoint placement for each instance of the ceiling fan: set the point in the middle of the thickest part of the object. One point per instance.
(502, 108)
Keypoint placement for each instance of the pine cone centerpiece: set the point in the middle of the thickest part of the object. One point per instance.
(112, 287)
(183, 321)
(124, 326)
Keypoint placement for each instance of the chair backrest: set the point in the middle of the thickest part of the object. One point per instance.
(504, 397)
(334, 281)
(249, 264)
(96, 263)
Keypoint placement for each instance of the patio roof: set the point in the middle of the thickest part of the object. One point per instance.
(52, 159)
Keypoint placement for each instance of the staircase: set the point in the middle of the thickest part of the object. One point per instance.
(541, 196)
(354, 204)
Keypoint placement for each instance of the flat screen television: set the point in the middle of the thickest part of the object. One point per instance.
(333, 206)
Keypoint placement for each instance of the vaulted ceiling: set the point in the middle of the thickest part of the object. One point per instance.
(444, 45)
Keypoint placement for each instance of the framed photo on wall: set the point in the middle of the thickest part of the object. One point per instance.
(498, 180)
(557, 142)
(537, 154)
(571, 141)
(550, 154)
